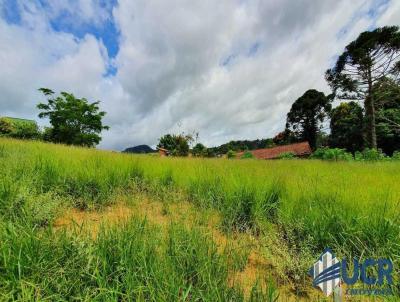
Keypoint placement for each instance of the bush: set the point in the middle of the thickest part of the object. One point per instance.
(335, 154)
(231, 154)
(247, 155)
(396, 155)
(370, 155)
(6, 126)
(287, 155)
(26, 131)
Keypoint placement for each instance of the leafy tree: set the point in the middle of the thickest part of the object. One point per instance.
(346, 127)
(386, 94)
(167, 142)
(373, 56)
(177, 145)
(307, 114)
(74, 121)
(6, 127)
(199, 150)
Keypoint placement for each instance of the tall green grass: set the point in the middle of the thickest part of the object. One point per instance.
(333, 201)
(132, 262)
(352, 207)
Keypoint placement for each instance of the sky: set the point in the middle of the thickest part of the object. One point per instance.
(227, 69)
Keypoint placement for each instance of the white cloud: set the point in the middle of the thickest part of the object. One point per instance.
(391, 16)
(170, 74)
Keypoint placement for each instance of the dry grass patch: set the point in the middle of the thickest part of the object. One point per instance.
(91, 221)
(248, 263)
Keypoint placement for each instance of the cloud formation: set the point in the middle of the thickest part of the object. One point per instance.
(228, 69)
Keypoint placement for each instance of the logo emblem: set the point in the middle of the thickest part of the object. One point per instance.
(326, 272)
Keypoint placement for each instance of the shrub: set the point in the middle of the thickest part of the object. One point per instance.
(26, 131)
(396, 155)
(334, 154)
(231, 154)
(6, 126)
(370, 155)
(287, 155)
(247, 155)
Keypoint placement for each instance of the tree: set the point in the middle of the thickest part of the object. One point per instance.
(283, 138)
(6, 127)
(177, 145)
(199, 150)
(372, 56)
(346, 127)
(386, 94)
(74, 121)
(307, 114)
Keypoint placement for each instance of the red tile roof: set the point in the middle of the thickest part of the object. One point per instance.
(299, 149)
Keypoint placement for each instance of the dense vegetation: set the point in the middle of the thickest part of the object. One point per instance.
(19, 128)
(351, 207)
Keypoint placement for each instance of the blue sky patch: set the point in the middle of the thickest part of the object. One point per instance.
(67, 22)
(106, 31)
(10, 12)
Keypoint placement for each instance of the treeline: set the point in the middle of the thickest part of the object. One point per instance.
(348, 122)
(243, 145)
(179, 145)
(365, 80)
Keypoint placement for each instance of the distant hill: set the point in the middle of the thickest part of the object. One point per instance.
(139, 149)
(15, 120)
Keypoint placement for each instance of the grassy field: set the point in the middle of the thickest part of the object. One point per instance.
(81, 224)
